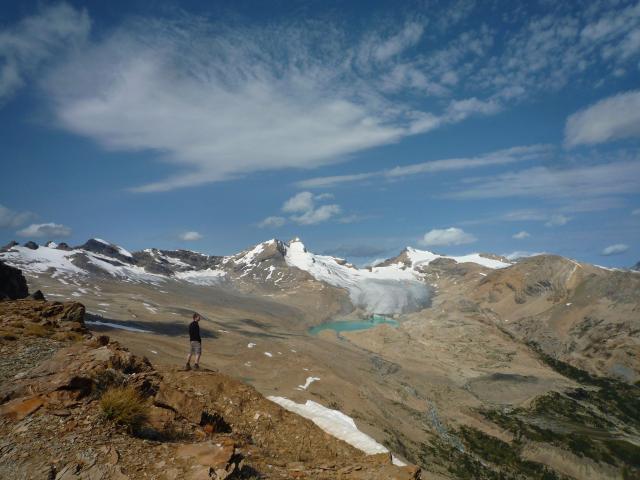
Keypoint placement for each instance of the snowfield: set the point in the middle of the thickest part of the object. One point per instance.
(202, 277)
(45, 259)
(424, 257)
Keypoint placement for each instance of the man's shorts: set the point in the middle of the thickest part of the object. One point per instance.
(196, 348)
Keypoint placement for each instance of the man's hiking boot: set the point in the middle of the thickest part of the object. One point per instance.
(188, 367)
(196, 367)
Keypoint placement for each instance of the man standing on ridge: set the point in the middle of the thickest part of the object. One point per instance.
(195, 342)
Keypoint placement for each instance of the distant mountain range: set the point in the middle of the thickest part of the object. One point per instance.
(393, 286)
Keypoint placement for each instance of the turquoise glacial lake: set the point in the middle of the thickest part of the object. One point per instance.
(353, 325)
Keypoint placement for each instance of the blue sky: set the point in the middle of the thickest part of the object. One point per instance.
(361, 127)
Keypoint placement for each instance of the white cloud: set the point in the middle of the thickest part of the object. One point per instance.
(317, 215)
(407, 37)
(521, 235)
(448, 236)
(30, 43)
(49, 230)
(610, 119)
(12, 219)
(458, 110)
(272, 222)
(524, 215)
(305, 212)
(220, 101)
(615, 249)
(300, 202)
(190, 236)
(590, 181)
(558, 46)
(499, 157)
(557, 220)
(324, 182)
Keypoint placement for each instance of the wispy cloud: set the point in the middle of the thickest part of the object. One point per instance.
(610, 119)
(27, 45)
(591, 181)
(499, 157)
(521, 235)
(446, 237)
(549, 218)
(49, 230)
(272, 222)
(12, 219)
(615, 249)
(557, 220)
(219, 101)
(190, 236)
(210, 98)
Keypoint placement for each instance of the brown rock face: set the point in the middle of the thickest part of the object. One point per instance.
(13, 285)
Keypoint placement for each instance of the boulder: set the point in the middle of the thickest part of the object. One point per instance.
(13, 285)
(219, 460)
(37, 295)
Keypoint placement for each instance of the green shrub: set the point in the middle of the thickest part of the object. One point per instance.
(124, 406)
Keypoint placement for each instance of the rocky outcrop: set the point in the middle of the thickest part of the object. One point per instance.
(13, 285)
(9, 246)
(63, 246)
(31, 245)
(106, 249)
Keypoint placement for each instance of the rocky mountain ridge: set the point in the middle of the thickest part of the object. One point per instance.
(55, 377)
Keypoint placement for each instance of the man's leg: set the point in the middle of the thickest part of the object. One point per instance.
(198, 352)
(189, 358)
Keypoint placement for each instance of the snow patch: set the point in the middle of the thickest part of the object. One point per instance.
(309, 381)
(425, 257)
(208, 276)
(335, 423)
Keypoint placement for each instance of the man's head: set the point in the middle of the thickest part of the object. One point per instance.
(196, 317)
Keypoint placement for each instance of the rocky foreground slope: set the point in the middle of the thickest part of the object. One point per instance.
(55, 424)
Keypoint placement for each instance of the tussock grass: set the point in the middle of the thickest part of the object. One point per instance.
(36, 330)
(124, 406)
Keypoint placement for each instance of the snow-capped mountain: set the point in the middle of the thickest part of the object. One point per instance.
(394, 286)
